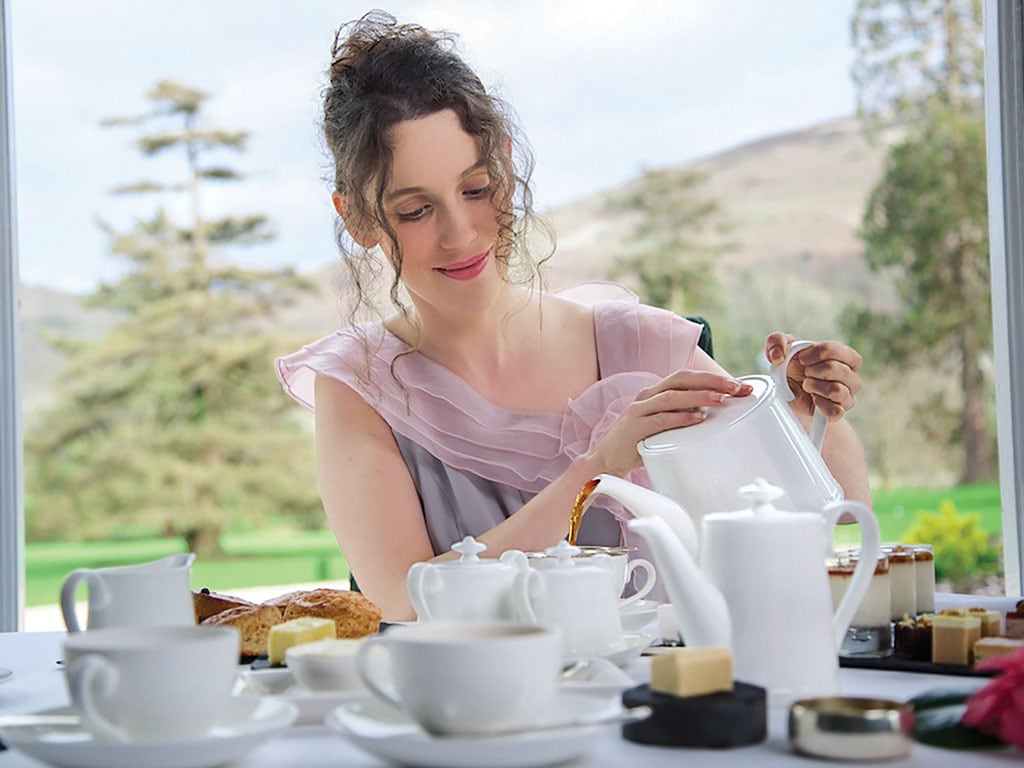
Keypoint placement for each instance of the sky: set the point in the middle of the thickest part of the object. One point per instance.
(603, 89)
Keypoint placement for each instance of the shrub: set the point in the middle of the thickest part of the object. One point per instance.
(962, 549)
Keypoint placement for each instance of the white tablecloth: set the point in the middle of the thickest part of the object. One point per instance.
(38, 684)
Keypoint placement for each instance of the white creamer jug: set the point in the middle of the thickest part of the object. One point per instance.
(152, 594)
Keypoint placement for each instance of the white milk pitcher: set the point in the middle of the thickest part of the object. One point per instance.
(153, 594)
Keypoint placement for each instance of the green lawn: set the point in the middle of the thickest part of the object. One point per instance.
(254, 559)
(285, 557)
(897, 509)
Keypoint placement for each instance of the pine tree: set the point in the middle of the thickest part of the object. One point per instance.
(175, 418)
(676, 238)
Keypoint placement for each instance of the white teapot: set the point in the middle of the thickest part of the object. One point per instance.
(702, 466)
(467, 589)
(149, 594)
(761, 586)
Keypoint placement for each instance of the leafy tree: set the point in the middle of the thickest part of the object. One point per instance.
(926, 222)
(677, 236)
(174, 419)
(915, 57)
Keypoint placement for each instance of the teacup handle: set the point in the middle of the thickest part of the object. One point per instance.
(870, 542)
(88, 676)
(818, 421)
(99, 595)
(365, 669)
(525, 589)
(648, 569)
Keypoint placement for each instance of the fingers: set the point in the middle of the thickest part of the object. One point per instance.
(825, 351)
(776, 347)
(692, 380)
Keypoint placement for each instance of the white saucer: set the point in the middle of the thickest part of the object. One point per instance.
(638, 615)
(245, 725)
(313, 706)
(5, 675)
(626, 650)
(386, 732)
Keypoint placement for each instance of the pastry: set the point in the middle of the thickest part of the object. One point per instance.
(913, 638)
(207, 603)
(990, 646)
(353, 614)
(252, 621)
(954, 633)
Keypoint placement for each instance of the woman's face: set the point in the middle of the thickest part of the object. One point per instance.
(438, 203)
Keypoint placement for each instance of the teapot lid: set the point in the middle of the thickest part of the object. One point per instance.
(469, 550)
(720, 419)
(564, 552)
(760, 494)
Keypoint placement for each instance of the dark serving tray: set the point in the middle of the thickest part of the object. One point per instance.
(896, 664)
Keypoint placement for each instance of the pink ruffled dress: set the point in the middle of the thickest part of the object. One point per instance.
(474, 463)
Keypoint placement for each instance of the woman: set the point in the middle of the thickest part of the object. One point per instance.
(482, 404)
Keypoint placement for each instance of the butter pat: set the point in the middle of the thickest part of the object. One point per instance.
(305, 629)
(692, 671)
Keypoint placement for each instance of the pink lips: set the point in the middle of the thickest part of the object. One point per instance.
(466, 270)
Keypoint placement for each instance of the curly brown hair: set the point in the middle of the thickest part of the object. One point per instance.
(382, 73)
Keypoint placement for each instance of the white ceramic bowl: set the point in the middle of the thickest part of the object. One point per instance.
(325, 665)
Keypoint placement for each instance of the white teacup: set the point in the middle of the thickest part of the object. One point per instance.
(465, 677)
(151, 683)
(623, 570)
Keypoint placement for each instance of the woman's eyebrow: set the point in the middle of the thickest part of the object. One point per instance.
(482, 165)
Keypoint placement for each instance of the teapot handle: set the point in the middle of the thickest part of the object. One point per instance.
(818, 421)
(865, 570)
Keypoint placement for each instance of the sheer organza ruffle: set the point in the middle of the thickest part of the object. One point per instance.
(637, 346)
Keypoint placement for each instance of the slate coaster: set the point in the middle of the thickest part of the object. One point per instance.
(715, 720)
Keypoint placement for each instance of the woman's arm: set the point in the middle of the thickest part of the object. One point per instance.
(374, 509)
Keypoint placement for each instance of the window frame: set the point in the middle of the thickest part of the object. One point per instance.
(1004, 127)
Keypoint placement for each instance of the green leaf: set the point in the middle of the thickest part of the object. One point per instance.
(937, 723)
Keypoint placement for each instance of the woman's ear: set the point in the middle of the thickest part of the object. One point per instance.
(364, 237)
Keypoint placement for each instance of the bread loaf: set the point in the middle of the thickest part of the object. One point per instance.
(207, 603)
(253, 622)
(353, 614)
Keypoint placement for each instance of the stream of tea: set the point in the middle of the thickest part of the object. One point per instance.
(576, 516)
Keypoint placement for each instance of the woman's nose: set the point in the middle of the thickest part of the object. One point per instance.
(458, 230)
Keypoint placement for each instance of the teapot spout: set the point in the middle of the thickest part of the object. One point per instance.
(643, 503)
(699, 606)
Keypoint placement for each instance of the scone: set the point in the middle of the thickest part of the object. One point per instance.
(207, 603)
(353, 614)
(253, 622)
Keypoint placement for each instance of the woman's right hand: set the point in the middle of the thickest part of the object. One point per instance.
(679, 400)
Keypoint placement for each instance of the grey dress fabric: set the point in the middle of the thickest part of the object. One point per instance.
(457, 504)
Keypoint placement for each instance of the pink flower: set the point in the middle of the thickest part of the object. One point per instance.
(998, 707)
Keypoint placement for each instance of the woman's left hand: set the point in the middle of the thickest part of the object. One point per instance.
(825, 374)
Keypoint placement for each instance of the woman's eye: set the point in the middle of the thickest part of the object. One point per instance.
(412, 215)
(479, 192)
